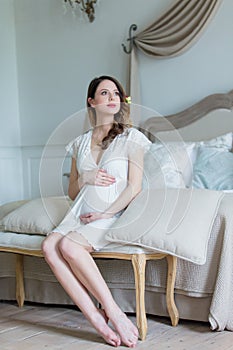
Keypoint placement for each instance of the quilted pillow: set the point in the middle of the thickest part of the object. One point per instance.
(213, 169)
(37, 216)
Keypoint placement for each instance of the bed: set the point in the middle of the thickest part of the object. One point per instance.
(202, 291)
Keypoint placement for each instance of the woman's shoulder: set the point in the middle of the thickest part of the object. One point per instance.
(135, 133)
(138, 138)
(86, 135)
(75, 143)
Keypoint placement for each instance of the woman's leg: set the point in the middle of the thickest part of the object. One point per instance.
(75, 289)
(84, 267)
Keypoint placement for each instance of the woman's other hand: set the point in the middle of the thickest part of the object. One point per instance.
(89, 217)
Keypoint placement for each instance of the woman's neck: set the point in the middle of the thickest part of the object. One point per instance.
(103, 128)
(99, 133)
(104, 121)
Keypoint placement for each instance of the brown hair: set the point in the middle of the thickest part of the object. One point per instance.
(121, 119)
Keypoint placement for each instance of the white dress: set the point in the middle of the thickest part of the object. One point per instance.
(98, 198)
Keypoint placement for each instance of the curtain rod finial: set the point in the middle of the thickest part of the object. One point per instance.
(130, 39)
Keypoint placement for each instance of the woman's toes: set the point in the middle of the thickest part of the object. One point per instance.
(126, 330)
(98, 321)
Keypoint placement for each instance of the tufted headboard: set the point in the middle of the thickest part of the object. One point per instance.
(211, 117)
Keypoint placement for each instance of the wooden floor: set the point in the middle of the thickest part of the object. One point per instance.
(38, 327)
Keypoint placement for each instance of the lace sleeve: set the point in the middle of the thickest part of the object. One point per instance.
(72, 147)
(138, 141)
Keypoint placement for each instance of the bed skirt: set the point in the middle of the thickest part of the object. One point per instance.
(51, 293)
(41, 286)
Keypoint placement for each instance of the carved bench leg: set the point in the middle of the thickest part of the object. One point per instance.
(139, 266)
(20, 294)
(171, 277)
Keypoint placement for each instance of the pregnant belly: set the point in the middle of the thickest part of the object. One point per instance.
(99, 198)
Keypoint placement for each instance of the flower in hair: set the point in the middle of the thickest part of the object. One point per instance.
(128, 99)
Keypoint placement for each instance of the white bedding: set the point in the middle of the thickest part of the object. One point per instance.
(221, 310)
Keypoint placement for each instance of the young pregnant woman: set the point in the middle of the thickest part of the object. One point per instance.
(106, 174)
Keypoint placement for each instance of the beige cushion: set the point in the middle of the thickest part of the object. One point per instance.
(38, 216)
(174, 221)
(9, 207)
(12, 240)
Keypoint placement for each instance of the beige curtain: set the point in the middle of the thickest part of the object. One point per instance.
(171, 35)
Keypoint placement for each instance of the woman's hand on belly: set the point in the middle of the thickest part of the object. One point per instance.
(98, 177)
(89, 217)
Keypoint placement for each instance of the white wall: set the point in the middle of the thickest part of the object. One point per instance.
(10, 128)
(57, 54)
(10, 154)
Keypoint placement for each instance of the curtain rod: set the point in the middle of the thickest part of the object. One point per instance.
(130, 39)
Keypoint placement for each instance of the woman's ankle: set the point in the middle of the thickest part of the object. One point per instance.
(112, 310)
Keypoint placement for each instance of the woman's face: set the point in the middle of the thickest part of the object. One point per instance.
(106, 99)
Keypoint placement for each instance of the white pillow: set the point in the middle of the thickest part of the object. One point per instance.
(168, 165)
(222, 141)
(38, 216)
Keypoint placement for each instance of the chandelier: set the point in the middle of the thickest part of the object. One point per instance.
(86, 6)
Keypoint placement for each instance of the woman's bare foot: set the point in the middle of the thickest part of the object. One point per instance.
(125, 328)
(98, 320)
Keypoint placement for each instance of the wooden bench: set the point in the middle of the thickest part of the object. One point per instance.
(139, 266)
